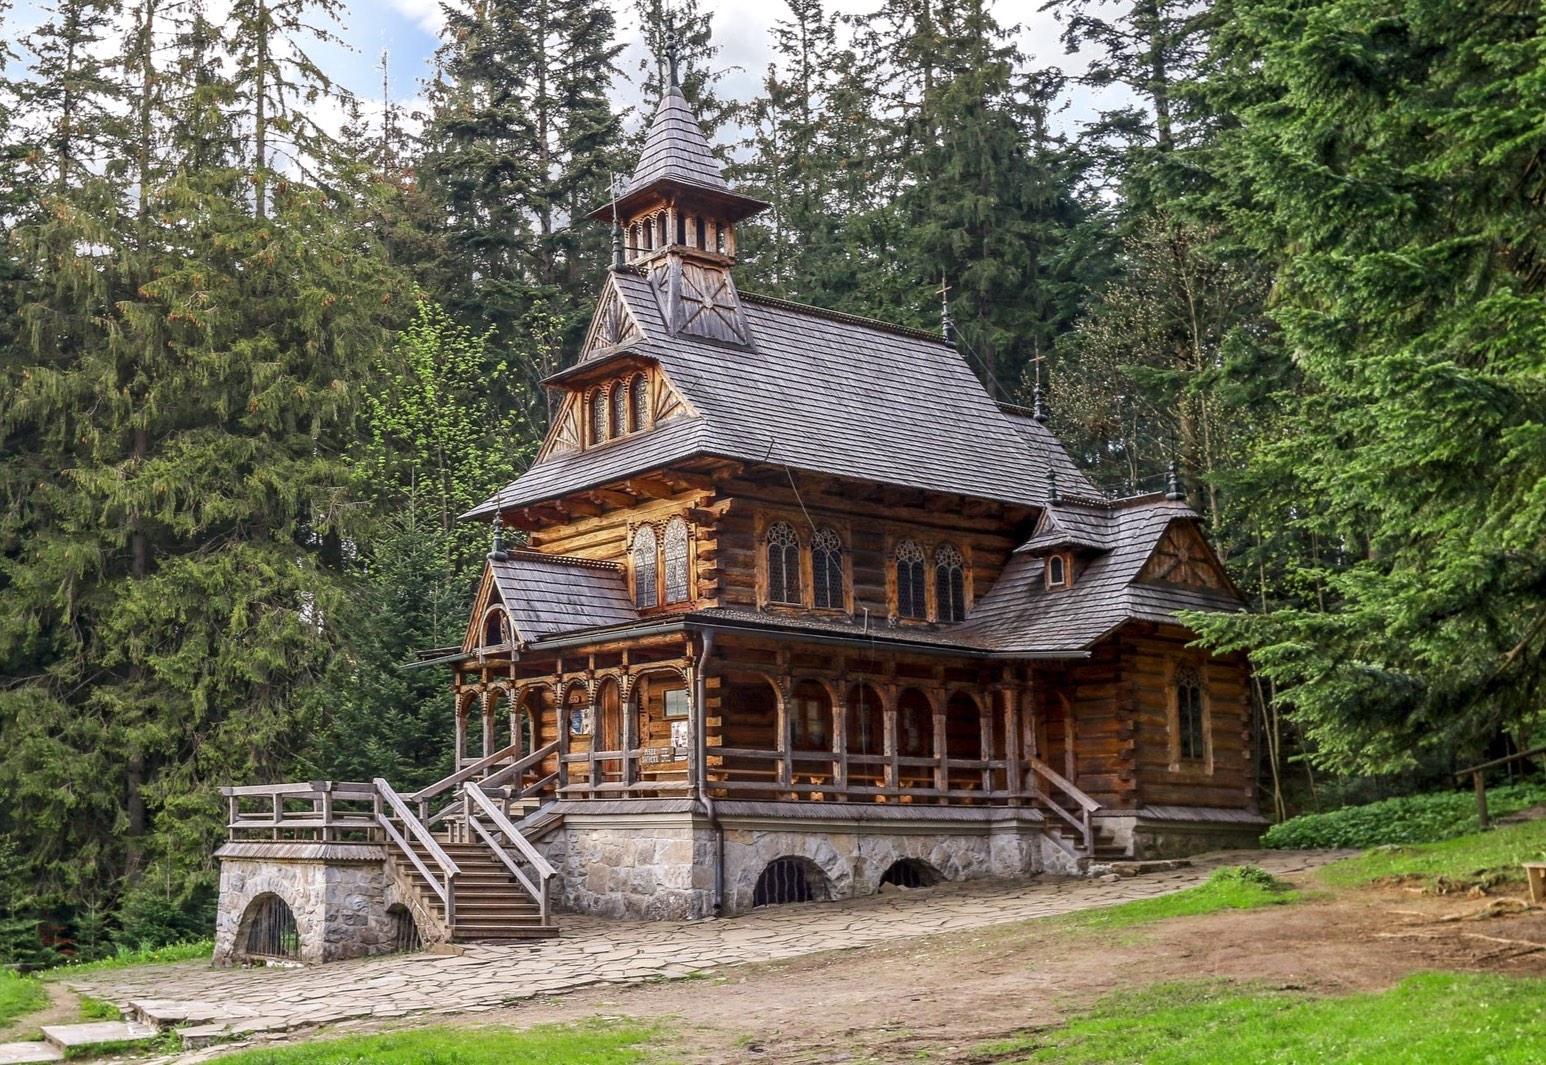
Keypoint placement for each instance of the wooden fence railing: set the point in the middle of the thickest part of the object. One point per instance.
(321, 811)
(1477, 773)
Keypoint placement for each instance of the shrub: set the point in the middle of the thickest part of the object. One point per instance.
(1413, 819)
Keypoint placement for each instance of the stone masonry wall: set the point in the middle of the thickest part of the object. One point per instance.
(655, 867)
(340, 901)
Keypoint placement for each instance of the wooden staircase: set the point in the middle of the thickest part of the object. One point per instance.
(1066, 817)
(490, 904)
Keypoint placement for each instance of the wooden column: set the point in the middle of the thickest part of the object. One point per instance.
(785, 746)
(839, 738)
(941, 744)
(490, 699)
(461, 730)
(1012, 753)
(629, 731)
(561, 715)
(985, 743)
(888, 741)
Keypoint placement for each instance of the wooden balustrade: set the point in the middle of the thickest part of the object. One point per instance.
(321, 811)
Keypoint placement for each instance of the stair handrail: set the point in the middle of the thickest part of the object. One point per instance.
(445, 888)
(466, 773)
(504, 826)
(516, 769)
(1087, 805)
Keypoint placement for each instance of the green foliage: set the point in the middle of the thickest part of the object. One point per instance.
(129, 958)
(95, 1009)
(595, 1043)
(1235, 888)
(1411, 819)
(19, 996)
(1459, 1019)
(1483, 858)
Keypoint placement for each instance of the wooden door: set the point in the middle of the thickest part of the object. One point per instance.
(609, 710)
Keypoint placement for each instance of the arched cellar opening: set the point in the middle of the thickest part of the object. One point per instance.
(404, 932)
(271, 930)
(791, 880)
(911, 873)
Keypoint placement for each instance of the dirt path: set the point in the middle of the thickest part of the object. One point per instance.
(64, 1007)
(945, 994)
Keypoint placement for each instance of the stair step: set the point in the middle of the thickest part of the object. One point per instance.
(22, 1053)
(73, 1038)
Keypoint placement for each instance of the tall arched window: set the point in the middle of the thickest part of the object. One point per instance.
(1190, 741)
(950, 583)
(619, 410)
(638, 404)
(645, 587)
(827, 569)
(676, 561)
(783, 563)
(910, 599)
(598, 416)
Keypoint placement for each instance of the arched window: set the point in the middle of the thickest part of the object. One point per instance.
(1057, 572)
(598, 416)
(676, 561)
(950, 583)
(827, 569)
(1190, 741)
(645, 587)
(638, 404)
(619, 410)
(910, 602)
(810, 723)
(914, 724)
(783, 563)
(865, 725)
(649, 234)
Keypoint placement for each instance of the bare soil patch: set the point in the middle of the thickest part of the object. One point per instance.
(945, 994)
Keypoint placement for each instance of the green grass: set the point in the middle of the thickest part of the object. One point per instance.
(1482, 857)
(94, 1009)
(587, 1044)
(202, 950)
(1412, 819)
(19, 995)
(1454, 1018)
(1239, 888)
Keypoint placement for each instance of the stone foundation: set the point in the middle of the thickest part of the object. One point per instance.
(339, 893)
(1179, 832)
(656, 860)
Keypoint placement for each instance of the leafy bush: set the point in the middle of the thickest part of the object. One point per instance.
(1413, 819)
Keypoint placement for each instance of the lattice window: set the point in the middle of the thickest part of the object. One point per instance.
(598, 416)
(950, 583)
(638, 403)
(910, 599)
(619, 405)
(1190, 741)
(645, 587)
(783, 563)
(676, 561)
(827, 569)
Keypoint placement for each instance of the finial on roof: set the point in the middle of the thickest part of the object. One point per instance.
(947, 325)
(673, 54)
(498, 554)
(1052, 486)
(1173, 489)
(1039, 404)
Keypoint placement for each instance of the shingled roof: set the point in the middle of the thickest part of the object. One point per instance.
(676, 149)
(1021, 614)
(548, 595)
(822, 393)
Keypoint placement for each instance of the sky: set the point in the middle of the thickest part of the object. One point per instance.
(407, 30)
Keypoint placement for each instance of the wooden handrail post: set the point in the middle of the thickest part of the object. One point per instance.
(1480, 783)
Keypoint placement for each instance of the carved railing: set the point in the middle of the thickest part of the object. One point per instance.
(392, 811)
(487, 821)
(1087, 806)
(491, 771)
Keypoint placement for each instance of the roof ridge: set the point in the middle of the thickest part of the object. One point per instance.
(842, 316)
(533, 555)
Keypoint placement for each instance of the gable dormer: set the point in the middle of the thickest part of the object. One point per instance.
(610, 398)
(1183, 556)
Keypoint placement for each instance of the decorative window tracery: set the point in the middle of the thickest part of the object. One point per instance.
(827, 569)
(911, 600)
(783, 548)
(638, 403)
(676, 561)
(645, 586)
(950, 583)
(1190, 740)
(598, 416)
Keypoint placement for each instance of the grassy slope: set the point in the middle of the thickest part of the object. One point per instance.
(125, 959)
(1455, 1018)
(1242, 888)
(588, 1044)
(1483, 855)
(19, 995)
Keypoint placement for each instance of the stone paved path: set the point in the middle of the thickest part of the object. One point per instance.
(593, 951)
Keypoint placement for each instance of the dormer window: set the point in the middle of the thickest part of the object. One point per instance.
(1059, 572)
(617, 408)
(638, 403)
(619, 405)
(598, 416)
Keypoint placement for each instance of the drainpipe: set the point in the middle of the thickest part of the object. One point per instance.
(701, 764)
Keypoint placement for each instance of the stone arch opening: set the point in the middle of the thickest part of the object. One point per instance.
(403, 929)
(271, 931)
(791, 879)
(911, 873)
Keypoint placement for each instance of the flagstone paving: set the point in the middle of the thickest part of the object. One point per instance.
(592, 951)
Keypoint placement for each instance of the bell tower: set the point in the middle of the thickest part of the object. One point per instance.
(677, 217)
